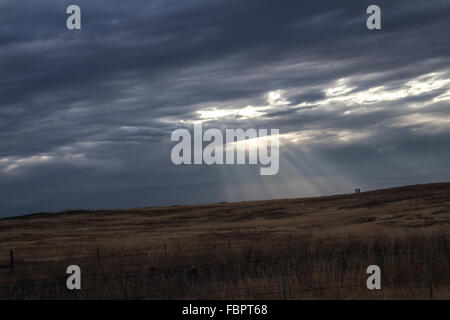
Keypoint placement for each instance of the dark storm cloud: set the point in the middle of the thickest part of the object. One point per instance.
(91, 111)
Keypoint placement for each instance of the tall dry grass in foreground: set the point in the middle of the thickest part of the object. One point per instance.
(291, 268)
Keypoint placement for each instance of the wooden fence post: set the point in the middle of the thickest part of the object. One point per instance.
(11, 258)
(165, 248)
(284, 287)
(125, 291)
(430, 283)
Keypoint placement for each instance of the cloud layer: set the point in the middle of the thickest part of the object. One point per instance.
(86, 116)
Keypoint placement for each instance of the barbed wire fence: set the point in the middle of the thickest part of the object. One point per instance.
(290, 280)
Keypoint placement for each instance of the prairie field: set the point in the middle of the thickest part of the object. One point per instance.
(306, 248)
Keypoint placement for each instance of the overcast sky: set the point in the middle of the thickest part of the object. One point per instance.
(86, 116)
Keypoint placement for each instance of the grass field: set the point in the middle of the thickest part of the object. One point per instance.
(310, 248)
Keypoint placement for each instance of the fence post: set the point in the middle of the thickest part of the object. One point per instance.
(430, 284)
(124, 283)
(98, 255)
(284, 287)
(165, 248)
(11, 258)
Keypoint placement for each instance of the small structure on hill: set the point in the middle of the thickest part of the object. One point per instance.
(357, 191)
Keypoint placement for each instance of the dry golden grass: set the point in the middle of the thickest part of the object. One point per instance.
(320, 246)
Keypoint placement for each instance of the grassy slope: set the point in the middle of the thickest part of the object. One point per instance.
(389, 211)
(239, 250)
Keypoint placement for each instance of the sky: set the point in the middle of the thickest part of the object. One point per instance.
(86, 115)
